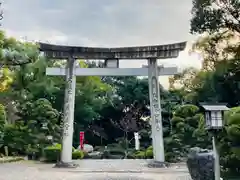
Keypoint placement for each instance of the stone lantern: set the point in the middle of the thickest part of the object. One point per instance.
(214, 116)
(214, 122)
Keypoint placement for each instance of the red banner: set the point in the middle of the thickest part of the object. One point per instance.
(81, 139)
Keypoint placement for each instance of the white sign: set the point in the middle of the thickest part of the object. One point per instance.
(137, 142)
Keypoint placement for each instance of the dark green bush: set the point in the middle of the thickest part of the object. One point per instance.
(130, 156)
(171, 157)
(114, 154)
(117, 152)
(98, 148)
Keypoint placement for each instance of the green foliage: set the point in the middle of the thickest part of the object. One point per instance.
(13, 52)
(2, 117)
(149, 153)
(2, 123)
(186, 122)
(29, 136)
(212, 16)
(233, 125)
(230, 146)
(140, 155)
(77, 154)
(186, 111)
(52, 153)
(114, 153)
(16, 137)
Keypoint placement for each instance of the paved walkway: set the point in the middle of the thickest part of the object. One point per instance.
(92, 170)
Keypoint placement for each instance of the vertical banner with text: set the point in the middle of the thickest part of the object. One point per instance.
(81, 139)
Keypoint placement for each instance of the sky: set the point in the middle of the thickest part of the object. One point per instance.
(104, 23)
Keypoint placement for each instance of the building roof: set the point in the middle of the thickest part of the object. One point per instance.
(215, 107)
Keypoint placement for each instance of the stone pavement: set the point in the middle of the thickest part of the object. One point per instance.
(92, 170)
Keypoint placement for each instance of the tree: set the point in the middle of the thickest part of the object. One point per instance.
(214, 15)
(216, 47)
(229, 142)
(5, 79)
(186, 122)
(128, 104)
(13, 53)
(232, 118)
(219, 20)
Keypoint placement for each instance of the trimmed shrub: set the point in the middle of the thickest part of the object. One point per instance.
(53, 153)
(77, 154)
(149, 153)
(150, 148)
(140, 155)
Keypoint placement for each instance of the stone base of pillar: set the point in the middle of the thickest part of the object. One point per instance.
(157, 164)
(65, 165)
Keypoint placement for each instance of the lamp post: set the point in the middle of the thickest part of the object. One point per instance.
(214, 123)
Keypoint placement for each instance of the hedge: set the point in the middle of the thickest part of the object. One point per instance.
(53, 153)
(77, 154)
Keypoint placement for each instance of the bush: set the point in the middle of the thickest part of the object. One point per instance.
(77, 154)
(149, 153)
(171, 157)
(98, 148)
(150, 148)
(53, 153)
(85, 155)
(117, 152)
(114, 154)
(140, 155)
(130, 156)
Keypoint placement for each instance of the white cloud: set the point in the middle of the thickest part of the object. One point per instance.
(103, 23)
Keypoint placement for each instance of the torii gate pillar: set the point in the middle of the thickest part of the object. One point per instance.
(68, 118)
(156, 117)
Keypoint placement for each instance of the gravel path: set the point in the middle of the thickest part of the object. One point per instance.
(37, 171)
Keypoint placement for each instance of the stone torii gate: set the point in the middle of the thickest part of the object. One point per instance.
(112, 57)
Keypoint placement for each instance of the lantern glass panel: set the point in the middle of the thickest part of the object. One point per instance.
(216, 119)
